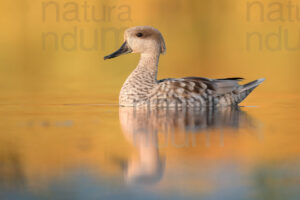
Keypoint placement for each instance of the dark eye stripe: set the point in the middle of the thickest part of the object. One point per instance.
(139, 34)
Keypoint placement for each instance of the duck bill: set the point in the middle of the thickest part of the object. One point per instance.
(124, 49)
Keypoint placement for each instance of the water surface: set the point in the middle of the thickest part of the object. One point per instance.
(91, 151)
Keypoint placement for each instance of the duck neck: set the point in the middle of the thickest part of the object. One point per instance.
(148, 65)
(141, 80)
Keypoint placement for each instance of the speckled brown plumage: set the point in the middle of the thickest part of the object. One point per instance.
(143, 89)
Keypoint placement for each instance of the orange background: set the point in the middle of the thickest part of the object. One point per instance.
(203, 38)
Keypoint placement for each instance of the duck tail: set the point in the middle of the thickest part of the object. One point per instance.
(245, 90)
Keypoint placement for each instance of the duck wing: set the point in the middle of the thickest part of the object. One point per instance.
(198, 85)
(206, 92)
(218, 86)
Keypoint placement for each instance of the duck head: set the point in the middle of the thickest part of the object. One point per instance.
(141, 39)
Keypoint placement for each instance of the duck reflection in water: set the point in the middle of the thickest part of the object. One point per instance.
(143, 126)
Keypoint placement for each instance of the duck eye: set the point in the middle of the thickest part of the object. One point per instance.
(139, 34)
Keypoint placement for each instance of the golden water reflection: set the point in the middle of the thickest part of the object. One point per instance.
(143, 126)
(89, 151)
